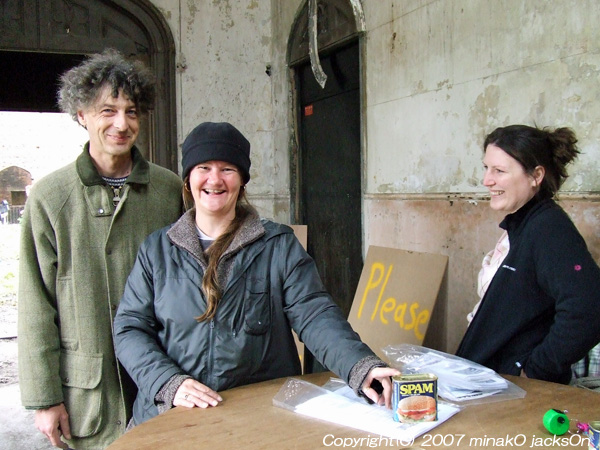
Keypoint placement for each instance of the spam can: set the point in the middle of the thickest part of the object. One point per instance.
(594, 435)
(414, 398)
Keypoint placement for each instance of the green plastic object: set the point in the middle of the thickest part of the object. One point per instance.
(556, 422)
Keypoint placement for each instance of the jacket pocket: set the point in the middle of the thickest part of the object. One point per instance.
(257, 307)
(81, 374)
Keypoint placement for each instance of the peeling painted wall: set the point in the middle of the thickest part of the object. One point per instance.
(442, 74)
(438, 75)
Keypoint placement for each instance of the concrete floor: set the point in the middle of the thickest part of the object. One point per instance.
(17, 430)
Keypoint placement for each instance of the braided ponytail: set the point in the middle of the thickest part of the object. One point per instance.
(210, 283)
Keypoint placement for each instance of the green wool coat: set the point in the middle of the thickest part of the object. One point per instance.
(77, 250)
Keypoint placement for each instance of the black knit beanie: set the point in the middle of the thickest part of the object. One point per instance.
(212, 141)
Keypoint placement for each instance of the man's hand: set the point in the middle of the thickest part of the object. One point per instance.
(54, 422)
(381, 374)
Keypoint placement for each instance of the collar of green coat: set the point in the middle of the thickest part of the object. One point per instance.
(140, 172)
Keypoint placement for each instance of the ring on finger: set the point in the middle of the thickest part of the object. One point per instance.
(185, 397)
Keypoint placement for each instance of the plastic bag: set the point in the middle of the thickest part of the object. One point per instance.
(460, 381)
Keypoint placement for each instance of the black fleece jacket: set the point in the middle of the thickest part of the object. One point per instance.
(541, 311)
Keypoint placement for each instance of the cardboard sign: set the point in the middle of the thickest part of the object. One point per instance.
(301, 233)
(395, 296)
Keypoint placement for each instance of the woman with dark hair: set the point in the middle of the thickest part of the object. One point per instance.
(540, 288)
(211, 301)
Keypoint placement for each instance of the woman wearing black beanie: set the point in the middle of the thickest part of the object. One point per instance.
(212, 300)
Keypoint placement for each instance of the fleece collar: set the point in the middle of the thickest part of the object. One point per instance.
(512, 222)
(185, 235)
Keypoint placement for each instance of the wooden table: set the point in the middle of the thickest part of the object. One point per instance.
(247, 419)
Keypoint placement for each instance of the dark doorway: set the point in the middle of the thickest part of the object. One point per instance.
(32, 80)
(44, 37)
(330, 173)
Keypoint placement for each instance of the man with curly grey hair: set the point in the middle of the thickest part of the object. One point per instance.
(80, 234)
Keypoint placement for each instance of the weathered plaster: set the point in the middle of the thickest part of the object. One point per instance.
(440, 75)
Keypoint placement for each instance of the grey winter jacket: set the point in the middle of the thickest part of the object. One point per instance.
(272, 284)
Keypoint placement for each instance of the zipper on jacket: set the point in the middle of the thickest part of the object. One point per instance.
(210, 352)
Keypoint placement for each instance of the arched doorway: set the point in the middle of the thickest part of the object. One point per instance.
(326, 166)
(47, 37)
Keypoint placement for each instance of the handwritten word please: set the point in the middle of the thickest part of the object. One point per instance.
(390, 309)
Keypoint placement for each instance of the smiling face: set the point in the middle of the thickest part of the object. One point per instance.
(509, 185)
(215, 186)
(112, 123)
